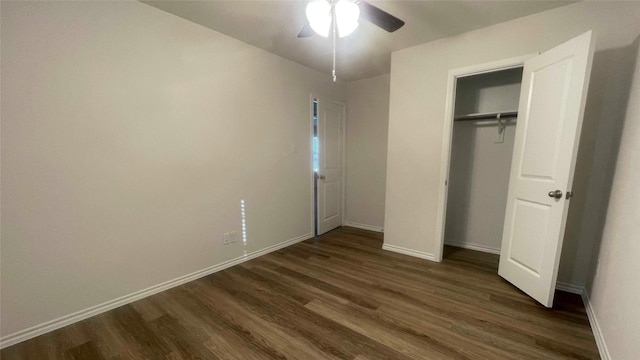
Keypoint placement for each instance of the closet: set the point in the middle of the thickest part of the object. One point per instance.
(485, 119)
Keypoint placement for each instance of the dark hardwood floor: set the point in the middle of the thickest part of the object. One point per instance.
(338, 296)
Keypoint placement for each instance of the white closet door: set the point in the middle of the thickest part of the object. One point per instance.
(550, 114)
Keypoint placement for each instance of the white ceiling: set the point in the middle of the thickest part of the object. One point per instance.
(274, 26)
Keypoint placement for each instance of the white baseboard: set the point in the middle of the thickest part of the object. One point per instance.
(405, 251)
(363, 226)
(570, 288)
(595, 327)
(63, 321)
(475, 247)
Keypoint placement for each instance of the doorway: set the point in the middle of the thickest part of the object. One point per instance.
(483, 133)
(328, 129)
(478, 138)
(552, 99)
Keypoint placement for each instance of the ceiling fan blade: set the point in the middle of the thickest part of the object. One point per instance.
(306, 31)
(380, 17)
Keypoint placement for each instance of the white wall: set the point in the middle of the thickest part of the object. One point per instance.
(367, 123)
(478, 180)
(417, 107)
(481, 161)
(129, 138)
(615, 292)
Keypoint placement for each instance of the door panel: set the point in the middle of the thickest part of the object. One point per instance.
(543, 136)
(330, 135)
(549, 122)
(530, 219)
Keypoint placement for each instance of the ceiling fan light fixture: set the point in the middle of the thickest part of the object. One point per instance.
(347, 15)
(319, 16)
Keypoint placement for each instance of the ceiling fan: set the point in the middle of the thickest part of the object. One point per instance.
(369, 12)
(340, 18)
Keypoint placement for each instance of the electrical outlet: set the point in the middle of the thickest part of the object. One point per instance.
(230, 237)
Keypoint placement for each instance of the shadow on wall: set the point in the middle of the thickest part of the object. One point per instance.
(599, 145)
(462, 159)
(610, 162)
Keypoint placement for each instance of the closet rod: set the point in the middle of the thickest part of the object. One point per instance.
(487, 116)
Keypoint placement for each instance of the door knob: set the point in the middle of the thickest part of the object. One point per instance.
(322, 177)
(555, 194)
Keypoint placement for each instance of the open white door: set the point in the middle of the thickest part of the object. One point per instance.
(330, 135)
(554, 87)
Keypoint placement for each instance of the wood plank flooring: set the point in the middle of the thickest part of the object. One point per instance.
(338, 296)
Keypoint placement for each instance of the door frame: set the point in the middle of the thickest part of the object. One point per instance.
(447, 133)
(313, 97)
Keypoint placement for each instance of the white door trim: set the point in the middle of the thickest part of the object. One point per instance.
(313, 97)
(312, 230)
(344, 162)
(448, 131)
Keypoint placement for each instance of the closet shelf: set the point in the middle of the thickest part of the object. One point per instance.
(487, 116)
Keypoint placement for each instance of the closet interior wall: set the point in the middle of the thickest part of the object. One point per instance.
(481, 160)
